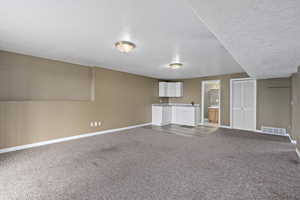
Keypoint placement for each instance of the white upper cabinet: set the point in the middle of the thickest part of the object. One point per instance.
(170, 89)
(163, 89)
(178, 89)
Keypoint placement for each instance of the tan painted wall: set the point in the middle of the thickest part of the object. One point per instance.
(121, 100)
(296, 108)
(26, 78)
(273, 103)
(192, 92)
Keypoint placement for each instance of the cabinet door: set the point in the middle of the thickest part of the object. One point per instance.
(171, 90)
(163, 86)
(157, 115)
(184, 116)
(188, 116)
(167, 114)
(174, 115)
(178, 89)
(178, 115)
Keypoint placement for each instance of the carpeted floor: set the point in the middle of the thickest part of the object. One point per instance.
(153, 163)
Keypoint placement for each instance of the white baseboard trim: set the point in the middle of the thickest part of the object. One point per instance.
(220, 126)
(223, 126)
(291, 139)
(298, 152)
(260, 131)
(27, 146)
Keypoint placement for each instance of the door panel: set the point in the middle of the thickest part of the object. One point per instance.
(249, 103)
(248, 95)
(237, 94)
(237, 119)
(249, 123)
(244, 104)
(237, 112)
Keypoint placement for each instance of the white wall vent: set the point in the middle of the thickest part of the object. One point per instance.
(274, 131)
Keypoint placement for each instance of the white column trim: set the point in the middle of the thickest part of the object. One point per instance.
(298, 152)
(291, 139)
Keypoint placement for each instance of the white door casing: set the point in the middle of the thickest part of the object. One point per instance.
(203, 83)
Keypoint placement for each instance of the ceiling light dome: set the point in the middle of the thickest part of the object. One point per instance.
(175, 65)
(125, 46)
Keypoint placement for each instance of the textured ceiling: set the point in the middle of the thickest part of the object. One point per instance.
(84, 32)
(263, 36)
(211, 37)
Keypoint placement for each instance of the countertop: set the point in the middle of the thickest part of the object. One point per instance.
(215, 107)
(176, 104)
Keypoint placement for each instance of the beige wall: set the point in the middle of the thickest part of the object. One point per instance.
(273, 100)
(296, 107)
(273, 103)
(192, 92)
(27, 78)
(121, 100)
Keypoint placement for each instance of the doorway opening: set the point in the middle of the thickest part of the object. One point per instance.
(211, 98)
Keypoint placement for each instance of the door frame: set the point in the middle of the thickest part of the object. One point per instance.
(255, 102)
(202, 99)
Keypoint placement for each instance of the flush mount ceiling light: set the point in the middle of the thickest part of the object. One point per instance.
(125, 46)
(175, 65)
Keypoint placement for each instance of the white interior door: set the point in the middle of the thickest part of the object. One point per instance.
(244, 104)
(249, 105)
(237, 106)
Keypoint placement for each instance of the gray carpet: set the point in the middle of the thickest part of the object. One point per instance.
(150, 163)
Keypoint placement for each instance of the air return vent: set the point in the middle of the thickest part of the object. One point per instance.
(274, 131)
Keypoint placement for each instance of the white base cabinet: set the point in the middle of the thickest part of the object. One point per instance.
(161, 115)
(182, 115)
(185, 115)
